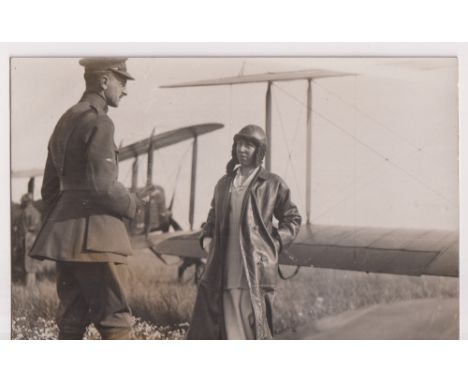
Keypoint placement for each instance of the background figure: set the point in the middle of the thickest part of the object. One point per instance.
(236, 292)
(27, 226)
(85, 205)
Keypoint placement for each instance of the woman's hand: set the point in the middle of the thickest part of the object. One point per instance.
(207, 244)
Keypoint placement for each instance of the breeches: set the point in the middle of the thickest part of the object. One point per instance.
(92, 293)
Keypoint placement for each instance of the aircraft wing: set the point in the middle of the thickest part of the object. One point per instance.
(366, 249)
(166, 139)
(381, 250)
(263, 77)
(141, 147)
(27, 173)
(142, 242)
(180, 244)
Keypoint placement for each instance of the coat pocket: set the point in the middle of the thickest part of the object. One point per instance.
(106, 233)
(267, 271)
(276, 240)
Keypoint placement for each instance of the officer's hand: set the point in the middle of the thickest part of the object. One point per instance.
(140, 203)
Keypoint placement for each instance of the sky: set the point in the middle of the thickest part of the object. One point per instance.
(384, 140)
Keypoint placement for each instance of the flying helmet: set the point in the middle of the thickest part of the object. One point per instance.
(252, 133)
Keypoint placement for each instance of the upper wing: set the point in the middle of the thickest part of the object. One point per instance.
(166, 139)
(27, 173)
(262, 77)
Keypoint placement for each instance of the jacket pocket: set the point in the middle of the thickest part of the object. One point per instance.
(106, 233)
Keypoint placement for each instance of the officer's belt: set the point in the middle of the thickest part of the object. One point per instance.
(69, 186)
(79, 203)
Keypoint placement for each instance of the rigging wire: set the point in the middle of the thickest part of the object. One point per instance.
(230, 110)
(179, 168)
(349, 195)
(301, 197)
(370, 148)
(356, 184)
(376, 121)
(373, 119)
(299, 119)
(161, 158)
(126, 177)
(181, 162)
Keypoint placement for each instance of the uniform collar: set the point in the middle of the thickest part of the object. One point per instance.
(95, 100)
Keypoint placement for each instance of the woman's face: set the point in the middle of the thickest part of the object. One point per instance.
(245, 152)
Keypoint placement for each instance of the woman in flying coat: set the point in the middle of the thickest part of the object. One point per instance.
(235, 295)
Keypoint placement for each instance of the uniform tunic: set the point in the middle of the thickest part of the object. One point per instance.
(84, 230)
(238, 313)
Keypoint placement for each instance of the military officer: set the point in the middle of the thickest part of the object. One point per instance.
(85, 205)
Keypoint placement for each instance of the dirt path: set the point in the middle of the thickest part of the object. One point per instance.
(435, 318)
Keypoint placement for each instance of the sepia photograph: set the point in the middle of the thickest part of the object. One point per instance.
(239, 198)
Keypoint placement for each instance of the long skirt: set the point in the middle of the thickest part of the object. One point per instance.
(238, 314)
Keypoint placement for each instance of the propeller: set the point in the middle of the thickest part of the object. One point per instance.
(175, 226)
(172, 222)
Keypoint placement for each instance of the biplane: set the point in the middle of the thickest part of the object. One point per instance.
(398, 251)
(157, 217)
(368, 249)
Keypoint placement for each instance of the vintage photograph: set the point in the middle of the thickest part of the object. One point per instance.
(286, 198)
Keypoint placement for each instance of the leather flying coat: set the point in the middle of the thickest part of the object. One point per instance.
(84, 201)
(267, 196)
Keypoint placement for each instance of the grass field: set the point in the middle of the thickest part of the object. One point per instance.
(162, 306)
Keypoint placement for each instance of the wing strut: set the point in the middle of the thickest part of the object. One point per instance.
(149, 168)
(271, 78)
(309, 149)
(135, 174)
(268, 127)
(149, 182)
(193, 180)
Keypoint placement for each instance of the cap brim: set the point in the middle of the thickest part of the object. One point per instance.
(123, 74)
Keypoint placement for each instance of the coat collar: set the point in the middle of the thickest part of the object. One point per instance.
(95, 100)
(262, 173)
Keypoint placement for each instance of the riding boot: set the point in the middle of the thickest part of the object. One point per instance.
(70, 335)
(113, 334)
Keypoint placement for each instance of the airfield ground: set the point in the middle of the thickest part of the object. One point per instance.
(162, 306)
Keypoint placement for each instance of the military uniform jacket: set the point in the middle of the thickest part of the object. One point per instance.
(85, 204)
